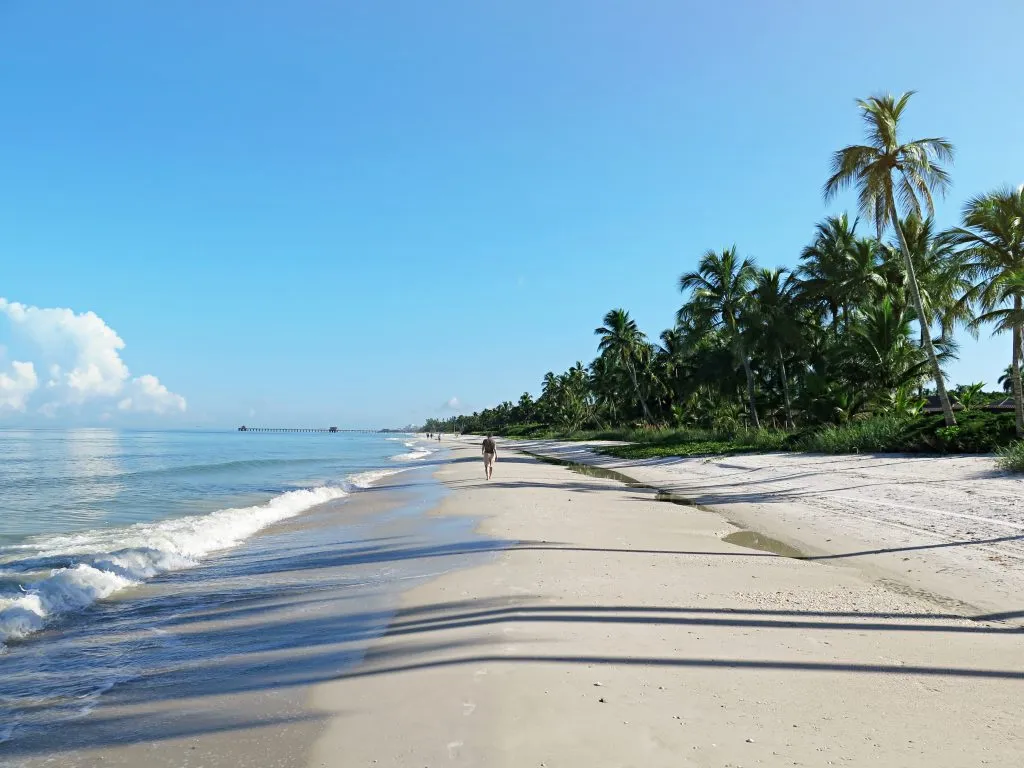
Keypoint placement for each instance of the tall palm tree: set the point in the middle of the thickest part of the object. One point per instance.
(626, 344)
(773, 317)
(882, 171)
(992, 238)
(718, 290)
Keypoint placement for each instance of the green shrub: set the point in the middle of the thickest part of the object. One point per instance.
(1011, 457)
(975, 432)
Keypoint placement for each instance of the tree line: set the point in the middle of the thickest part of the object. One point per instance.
(862, 326)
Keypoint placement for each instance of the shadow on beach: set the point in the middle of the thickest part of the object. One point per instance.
(311, 614)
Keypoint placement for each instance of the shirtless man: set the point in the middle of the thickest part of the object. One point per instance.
(490, 452)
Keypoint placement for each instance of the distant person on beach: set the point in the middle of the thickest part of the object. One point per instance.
(490, 451)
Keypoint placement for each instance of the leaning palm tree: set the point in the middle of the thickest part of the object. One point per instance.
(992, 239)
(882, 171)
(718, 291)
(941, 274)
(626, 344)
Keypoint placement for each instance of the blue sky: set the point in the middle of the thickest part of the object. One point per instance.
(351, 212)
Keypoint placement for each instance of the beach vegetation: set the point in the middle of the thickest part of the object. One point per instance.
(1011, 457)
(843, 352)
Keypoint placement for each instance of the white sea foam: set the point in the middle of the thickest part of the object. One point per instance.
(104, 561)
(418, 452)
(411, 456)
(366, 479)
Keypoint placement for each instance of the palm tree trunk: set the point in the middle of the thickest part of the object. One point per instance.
(639, 396)
(750, 390)
(926, 335)
(785, 393)
(1018, 397)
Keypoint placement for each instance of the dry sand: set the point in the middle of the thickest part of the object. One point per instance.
(622, 631)
(950, 526)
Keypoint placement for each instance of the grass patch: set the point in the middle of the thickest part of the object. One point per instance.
(878, 434)
(699, 442)
(976, 432)
(1012, 457)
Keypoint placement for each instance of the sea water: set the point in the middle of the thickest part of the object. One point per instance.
(93, 518)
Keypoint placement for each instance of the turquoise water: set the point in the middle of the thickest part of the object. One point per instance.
(57, 482)
(107, 535)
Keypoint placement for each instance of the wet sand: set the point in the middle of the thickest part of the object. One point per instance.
(224, 681)
(623, 631)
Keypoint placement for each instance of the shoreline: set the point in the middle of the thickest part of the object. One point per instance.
(309, 600)
(620, 630)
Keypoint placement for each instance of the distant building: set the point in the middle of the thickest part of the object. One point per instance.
(1005, 404)
(1000, 406)
(243, 428)
(934, 406)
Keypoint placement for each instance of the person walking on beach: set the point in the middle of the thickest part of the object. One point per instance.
(490, 451)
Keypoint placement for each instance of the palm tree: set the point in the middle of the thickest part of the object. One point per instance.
(970, 395)
(941, 274)
(672, 359)
(773, 317)
(993, 242)
(1006, 379)
(604, 384)
(624, 343)
(825, 265)
(718, 290)
(864, 280)
(882, 355)
(870, 168)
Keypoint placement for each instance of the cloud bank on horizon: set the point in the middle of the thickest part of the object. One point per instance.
(79, 356)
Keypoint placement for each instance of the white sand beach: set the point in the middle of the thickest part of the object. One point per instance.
(952, 526)
(587, 623)
(622, 631)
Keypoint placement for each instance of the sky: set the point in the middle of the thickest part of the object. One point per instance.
(365, 213)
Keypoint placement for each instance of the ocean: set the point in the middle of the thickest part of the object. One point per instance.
(109, 538)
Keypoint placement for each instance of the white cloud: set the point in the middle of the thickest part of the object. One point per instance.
(82, 341)
(453, 404)
(82, 355)
(147, 394)
(15, 387)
